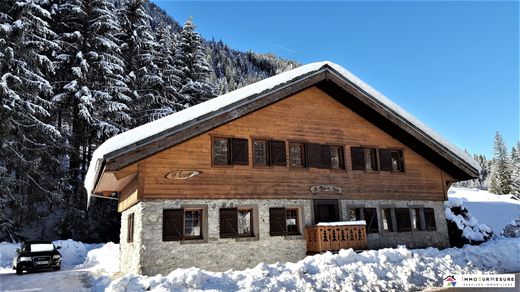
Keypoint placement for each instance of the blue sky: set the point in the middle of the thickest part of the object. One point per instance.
(454, 65)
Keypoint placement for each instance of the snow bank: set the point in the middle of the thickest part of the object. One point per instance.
(104, 259)
(136, 135)
(398, 269)
(468, 224)
(496, 211)
(73, 252)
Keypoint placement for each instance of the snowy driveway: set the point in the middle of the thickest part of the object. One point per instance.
(64, 280)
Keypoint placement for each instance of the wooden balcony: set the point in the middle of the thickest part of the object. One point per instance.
(332, 237)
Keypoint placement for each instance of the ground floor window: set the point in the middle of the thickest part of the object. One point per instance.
(182, 224)
(236, 222)
(388, 221)
(130, 228)
(402, 218)
(429, 219)
(367, 214)
(283, 221)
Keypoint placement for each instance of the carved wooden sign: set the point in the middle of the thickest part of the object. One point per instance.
(182, 174)
(326, 189)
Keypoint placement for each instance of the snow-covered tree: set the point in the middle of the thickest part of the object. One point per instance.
(515, 173)
(191, 60)
(139, 51)
(28, 138)
(500, 177)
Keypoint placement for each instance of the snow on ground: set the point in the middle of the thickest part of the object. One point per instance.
(392, 269)
(496, 211)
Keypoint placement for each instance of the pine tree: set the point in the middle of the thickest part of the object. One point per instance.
(515, 173)
(139, 50)
(500, 177)
(190, 58)
(28, 139)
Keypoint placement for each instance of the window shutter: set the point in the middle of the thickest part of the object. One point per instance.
(371, 219)
(239, 152)
(358, 158)
(278, 153)
(429, 218)
(313, 155)
(228, 222)
(402, 216)
(173, 224)
(277, 222)
(385, 159)
(130, 228)
(325, 157)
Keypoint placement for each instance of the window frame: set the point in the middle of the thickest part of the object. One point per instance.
(375, 157)
(267, 141)
(426, 222)
(392, 224)
(398, 218)
(229, 159)
(297, 220)
(203, 238)
(251, 222)
(254, 224)
(341, 159)
(302, 154)
(402, 163)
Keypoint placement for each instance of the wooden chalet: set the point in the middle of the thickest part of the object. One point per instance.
(310, 160)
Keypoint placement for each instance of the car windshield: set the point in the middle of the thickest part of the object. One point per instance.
(42, 247)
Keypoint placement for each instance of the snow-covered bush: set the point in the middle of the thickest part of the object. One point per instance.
(513, 229)
(464, 228)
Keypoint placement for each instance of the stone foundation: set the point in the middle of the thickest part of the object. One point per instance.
(149, 255)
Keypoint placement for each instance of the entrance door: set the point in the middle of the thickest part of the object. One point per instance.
(326, 211)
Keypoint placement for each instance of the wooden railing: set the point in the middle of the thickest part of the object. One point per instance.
(334, 238)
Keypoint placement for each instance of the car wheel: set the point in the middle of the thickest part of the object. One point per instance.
(19, 271)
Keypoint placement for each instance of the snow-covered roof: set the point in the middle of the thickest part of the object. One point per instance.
(136, 136)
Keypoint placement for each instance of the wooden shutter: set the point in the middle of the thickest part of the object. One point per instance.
(173, 224)
(228, 222)
(371, 219)
(325, 157)
(313, 152)
(239, 152)
(429, 218)
(130, 228)
(277, 222)
(358, 158)
(278, 157)
(385, 159)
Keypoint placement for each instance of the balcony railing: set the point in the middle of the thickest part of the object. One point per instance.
(336, 236)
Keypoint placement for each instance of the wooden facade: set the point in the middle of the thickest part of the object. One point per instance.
(309, 116)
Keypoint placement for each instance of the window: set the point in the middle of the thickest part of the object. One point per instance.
(354, 214)
(402, 217)
(230, 151)
(221, 153)
(416, 219)
(388, 224)
(370, 159)
(236, 223)
(291, 219)
(182, 224)
(245, 218)
(283, 221)
(261, 152)
(364, 158)
(397, 160)
(429, 219)
(336, 157)
(192, 224)
(297, 154)
(130, 228)
(370, 216)
(391, 160)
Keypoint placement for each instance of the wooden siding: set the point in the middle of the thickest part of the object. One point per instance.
(311, 116)
(129, 195)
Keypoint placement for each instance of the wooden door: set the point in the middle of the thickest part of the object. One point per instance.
(326, 211)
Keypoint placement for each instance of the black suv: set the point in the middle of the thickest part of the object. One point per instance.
(37, 255)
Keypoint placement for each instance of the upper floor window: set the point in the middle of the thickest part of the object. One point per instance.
(230, 151)
(370, 159)
(336, 157)
(391, 160)
(297, 154)
(261, 152)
